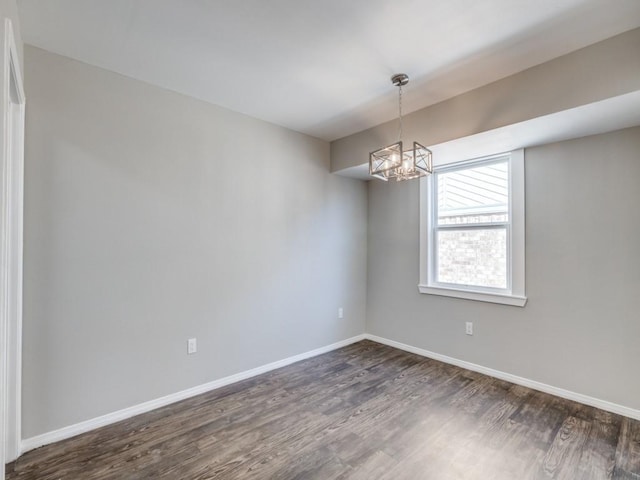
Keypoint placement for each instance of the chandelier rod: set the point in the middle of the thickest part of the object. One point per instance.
(399, 80)
(400, 111)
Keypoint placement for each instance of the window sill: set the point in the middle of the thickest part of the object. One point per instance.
(514, 300)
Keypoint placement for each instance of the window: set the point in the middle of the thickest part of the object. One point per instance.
(472, 230)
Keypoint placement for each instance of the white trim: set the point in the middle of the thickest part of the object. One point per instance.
(525, 382)
(13, 107)
(504, 299)
(110, 418)
(515, 294)
(87, 425)
(517, 215)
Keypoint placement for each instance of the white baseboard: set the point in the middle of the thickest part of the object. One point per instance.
(83, 427)
(525, 382)
(88, 425)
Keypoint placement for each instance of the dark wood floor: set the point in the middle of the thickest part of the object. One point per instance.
(367, 412)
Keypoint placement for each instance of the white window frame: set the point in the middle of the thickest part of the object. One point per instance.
(514, 294)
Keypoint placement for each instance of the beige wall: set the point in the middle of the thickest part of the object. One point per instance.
(579, 330)
(151, 218)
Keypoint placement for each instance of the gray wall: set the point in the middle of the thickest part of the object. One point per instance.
(9, 9)
(580, 329)
(151, 218)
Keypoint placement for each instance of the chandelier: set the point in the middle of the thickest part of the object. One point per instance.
(391, 161)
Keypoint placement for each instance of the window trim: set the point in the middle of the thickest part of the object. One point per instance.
(515, 242)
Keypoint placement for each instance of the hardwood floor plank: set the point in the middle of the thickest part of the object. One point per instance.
(366, 411)
(370, 466)
(599, 454)
(628, 450)
(560, 460)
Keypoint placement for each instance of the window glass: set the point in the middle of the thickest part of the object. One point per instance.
(475, 257)
(474, 195)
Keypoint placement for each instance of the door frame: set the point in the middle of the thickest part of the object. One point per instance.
(11, 247)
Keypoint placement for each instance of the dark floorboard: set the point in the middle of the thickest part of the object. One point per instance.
(365, 411)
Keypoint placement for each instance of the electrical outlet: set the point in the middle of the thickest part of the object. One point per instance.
(340, 312)
(469, 328)
(192, 346)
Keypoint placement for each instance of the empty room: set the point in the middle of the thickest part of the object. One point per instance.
(330, 239)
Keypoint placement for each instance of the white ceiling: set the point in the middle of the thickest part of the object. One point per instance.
(320, 67)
